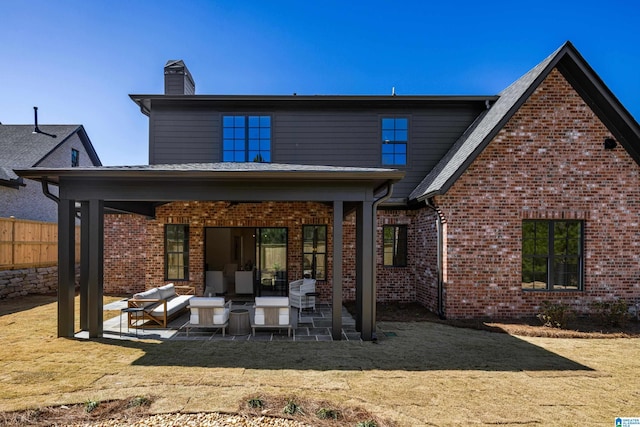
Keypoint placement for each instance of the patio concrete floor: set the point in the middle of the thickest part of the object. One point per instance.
(313, 325)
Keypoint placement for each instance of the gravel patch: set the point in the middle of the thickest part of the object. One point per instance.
(200, 419)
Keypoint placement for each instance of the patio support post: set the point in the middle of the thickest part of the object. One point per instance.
(359, 261)
(336, 324)
(66, 268)
(84, 266)
(95, 270)
(366, 269)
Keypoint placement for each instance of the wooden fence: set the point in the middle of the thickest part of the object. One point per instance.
(26, 244)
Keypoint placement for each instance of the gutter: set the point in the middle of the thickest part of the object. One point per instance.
(47, 192)
(440, 295)
(376, 203)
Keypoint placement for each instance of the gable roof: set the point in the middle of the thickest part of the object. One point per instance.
(583, 79)
(20, 147)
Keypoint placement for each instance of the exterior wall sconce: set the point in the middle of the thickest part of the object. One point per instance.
(610, 144)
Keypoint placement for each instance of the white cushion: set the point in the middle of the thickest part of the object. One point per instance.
(153, 293)
(167, 291)
(173, 305)
(220, 316)
(150, 294)
(206, 302)
(272, 301)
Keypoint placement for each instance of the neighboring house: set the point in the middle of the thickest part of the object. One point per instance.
(474, 206)
(53, 146)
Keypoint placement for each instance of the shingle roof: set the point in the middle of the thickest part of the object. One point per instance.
(237, 167)
(20, 147)
(225, 170)
(471, 143)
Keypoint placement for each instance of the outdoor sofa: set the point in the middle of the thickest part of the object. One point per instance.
(158, 306)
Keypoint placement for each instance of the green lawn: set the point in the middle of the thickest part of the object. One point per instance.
(427, 374)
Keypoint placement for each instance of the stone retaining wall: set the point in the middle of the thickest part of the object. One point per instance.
(37, 280)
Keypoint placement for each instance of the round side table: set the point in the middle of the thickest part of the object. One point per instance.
(239, 322)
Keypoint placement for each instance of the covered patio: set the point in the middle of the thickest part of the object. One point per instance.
(140, 189)
(311, 325)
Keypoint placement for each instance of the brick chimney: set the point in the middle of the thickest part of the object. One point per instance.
(177, 79)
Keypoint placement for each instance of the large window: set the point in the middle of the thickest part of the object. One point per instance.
(394, 140)
(246, 139)
(315, 251)
(552, 255)
(395, 245)
(176, 252)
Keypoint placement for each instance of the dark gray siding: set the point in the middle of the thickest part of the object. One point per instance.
(178, 84)
(432, 133)
(325, 137)
(184, 136)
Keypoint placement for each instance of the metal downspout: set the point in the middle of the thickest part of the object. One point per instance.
(440, 297)
(374, 221)
(47, 192)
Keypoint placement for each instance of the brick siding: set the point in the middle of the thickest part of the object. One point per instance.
(547, 162)
(134, 245)
(396, 283)
(125, 253)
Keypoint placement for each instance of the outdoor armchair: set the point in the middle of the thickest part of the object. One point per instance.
(273, 313)
(208, 313)
(298, 291)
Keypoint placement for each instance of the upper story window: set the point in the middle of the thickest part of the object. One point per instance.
(395, 132)
(552, 256)
(246, 139)
(75, 158)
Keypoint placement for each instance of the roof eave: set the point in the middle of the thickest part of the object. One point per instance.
(53, 175)
(145, 102)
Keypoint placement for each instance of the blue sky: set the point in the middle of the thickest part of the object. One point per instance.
(79, 60)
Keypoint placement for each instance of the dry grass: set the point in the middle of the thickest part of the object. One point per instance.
(417, 373)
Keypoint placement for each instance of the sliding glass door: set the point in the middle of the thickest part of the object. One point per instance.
(271, 253)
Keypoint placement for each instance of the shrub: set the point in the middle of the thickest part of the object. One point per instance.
(368, 423)
(291, 408)
(326, 413)
(612, 313)
(255, 403)
(554, 315)
(91, 405)
(139, 401)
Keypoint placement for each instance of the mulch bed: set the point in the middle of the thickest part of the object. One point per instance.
(578, 327)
